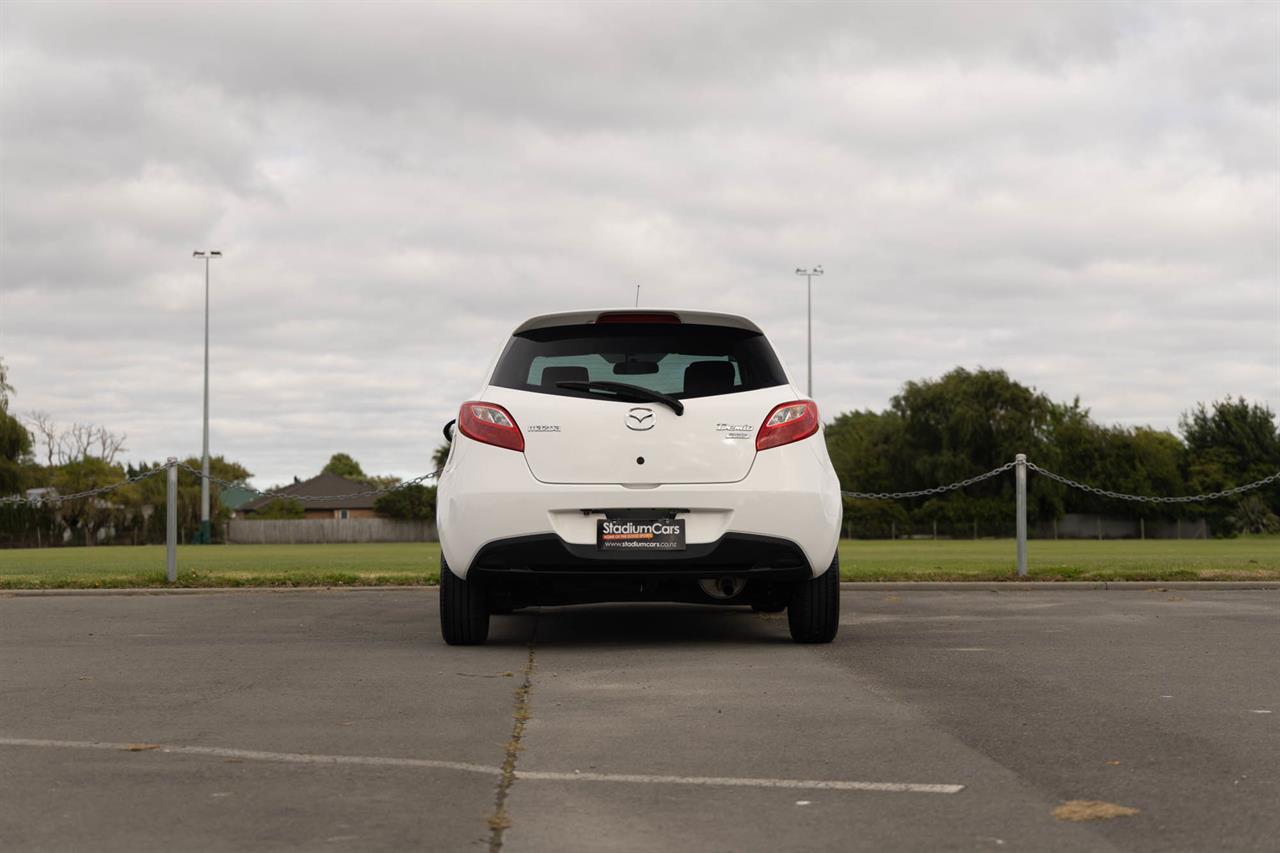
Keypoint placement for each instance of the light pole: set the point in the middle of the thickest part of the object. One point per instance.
(809, 274)
(206, 531)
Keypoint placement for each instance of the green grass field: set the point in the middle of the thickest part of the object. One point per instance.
(1246, 558)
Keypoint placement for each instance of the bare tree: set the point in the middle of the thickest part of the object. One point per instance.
(46, 432)
(5, 388)
(109, 444)
(76, 442)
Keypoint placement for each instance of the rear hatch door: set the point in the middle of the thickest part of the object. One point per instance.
(595, 440)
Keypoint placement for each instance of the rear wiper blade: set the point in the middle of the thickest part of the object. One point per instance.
(624, 391)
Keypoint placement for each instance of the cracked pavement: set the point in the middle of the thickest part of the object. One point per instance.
(339, 719)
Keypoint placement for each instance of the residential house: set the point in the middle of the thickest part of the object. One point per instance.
(325, 484)
(235, 498)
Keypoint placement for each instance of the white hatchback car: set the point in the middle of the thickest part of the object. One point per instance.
(638, 456)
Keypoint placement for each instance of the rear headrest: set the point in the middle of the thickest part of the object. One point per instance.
(566, 373)
(703, 378)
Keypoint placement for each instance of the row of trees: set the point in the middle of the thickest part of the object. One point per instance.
(135, 513)
(943, 430)
(37, 453)
(934, 432)
(131, 514)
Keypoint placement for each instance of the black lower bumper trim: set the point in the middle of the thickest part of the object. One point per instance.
(734, 555)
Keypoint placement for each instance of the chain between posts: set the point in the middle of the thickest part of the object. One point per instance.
(1183, 499)
(284, 494)
(1066, 481)
(89, 493)
(936, 490)
(53, 500)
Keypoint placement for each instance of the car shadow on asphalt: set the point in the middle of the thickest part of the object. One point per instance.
(639, 624)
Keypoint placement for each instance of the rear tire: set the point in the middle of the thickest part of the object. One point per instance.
(814, 612)
(464, 609)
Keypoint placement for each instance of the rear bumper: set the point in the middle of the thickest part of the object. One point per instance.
(545, 570)
(491, 511)
(734, 554)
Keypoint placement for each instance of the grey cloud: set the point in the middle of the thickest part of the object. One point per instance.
(1084, 194)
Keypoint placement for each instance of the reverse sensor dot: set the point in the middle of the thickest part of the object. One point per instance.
(639, 460)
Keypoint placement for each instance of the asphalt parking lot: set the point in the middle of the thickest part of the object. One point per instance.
(938, 720)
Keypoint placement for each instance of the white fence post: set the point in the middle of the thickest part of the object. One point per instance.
(171, 524)
(1020, 479)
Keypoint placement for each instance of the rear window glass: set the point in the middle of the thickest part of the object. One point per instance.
(681, 360)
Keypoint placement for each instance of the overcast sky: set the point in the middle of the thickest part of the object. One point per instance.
(1084, 194)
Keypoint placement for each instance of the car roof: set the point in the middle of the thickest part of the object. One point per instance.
(584, 317)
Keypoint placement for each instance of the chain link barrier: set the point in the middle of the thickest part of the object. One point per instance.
(936, 490)
(1067, 481)
(284, 494)
(54, 500)
(1184, 499)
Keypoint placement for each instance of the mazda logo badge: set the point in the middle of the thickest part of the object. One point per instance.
(640, 419)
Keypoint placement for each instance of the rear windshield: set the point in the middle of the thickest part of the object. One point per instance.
(680, 360)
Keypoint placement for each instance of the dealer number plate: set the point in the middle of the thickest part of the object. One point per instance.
(632, 534)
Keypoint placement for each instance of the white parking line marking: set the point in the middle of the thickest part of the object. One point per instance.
(259, 755)
(531, 775)
(736, 782)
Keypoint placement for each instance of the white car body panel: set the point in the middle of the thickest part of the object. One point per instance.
(712, 442)
(588, 461)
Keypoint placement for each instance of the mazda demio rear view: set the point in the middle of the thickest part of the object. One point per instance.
(638, 456)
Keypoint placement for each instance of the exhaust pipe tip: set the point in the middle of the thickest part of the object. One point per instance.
(723, 588)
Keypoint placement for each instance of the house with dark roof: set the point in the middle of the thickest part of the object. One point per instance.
(326, 507)
(234, 499)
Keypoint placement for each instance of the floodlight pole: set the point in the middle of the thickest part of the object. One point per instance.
(206, 529)
(809, 274)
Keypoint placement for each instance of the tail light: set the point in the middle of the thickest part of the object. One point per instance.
(491, 424)
(787, 423)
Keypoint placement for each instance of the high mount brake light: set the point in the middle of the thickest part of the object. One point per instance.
(637, 317)
(491, 424)
(787, 423)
